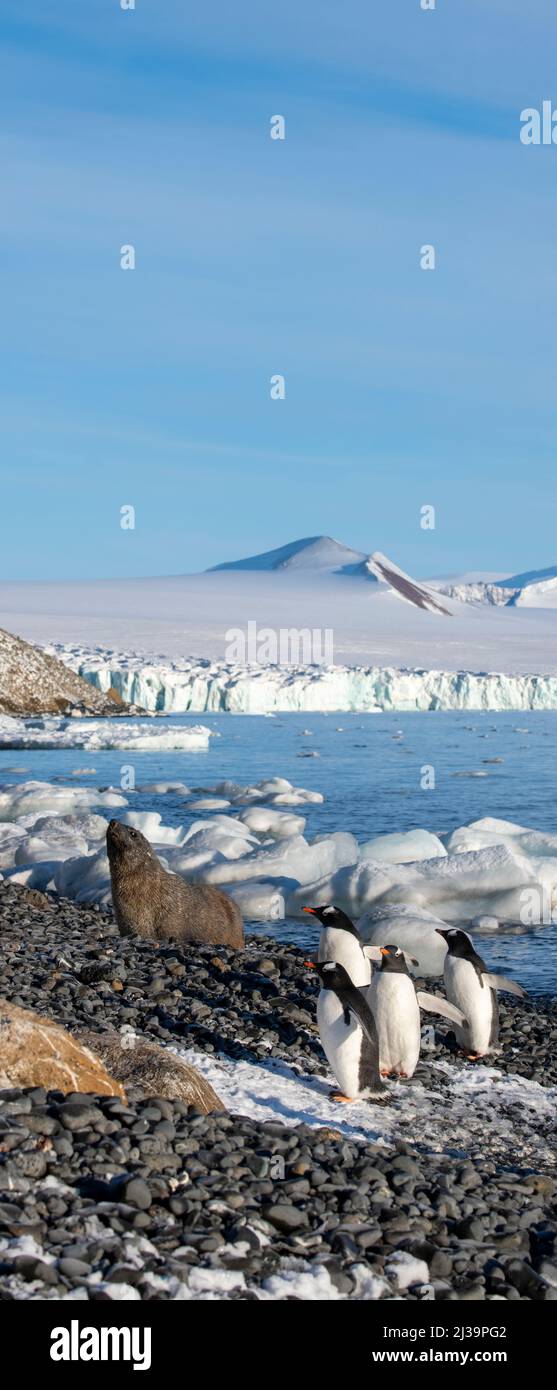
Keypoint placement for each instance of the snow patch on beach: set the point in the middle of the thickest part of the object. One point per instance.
(445, 1116)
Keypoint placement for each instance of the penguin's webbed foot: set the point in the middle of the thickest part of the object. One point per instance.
(338, 1095)
(384, 1072)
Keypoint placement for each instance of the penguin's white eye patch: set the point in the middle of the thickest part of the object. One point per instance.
(329, 966)
(327, 911)
(398, 951)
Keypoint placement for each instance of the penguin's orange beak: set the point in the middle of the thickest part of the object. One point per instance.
(310, 909)
(309, 964)
(384, 950)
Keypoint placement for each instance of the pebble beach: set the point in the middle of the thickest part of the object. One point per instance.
(447, 1190)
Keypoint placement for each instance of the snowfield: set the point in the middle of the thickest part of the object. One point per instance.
(250, 842)
(476, 641)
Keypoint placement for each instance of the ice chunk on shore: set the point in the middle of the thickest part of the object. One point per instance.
(150, 825)
(456, 887)
(483, 834)
(86, 880)
(404, 847)
(258, 902)
(43, 798)
(10, 836)
(292, 859)
(412, 928)
(40, 875)
(278, 825)
(260, 855)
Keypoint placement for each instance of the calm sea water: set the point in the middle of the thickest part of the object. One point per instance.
(369, 770)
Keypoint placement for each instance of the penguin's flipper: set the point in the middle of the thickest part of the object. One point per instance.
(502, 982)
(354, 1002)
(433, 1005)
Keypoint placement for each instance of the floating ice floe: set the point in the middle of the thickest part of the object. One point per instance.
(94, 734)
(163, 788)
(273, 791)
(209, 803)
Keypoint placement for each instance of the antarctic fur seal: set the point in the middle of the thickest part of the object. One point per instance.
(158, 906)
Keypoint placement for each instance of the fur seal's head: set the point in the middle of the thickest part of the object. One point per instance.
(125, 840)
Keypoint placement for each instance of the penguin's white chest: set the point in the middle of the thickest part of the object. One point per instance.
(474, 999)
(341, 1042)
(396, 1011)
(345, 949)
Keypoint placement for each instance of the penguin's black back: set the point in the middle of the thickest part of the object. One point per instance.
(368, 1075)
(353, 1001)
(494, 1035)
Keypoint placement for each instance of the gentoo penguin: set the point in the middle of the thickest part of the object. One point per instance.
(341, 943)
(395, 1004)
(348, 1035)
(473, 989)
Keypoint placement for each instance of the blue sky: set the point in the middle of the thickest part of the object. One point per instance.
(257, 257)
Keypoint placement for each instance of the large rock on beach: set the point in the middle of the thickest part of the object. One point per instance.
(36, 1052)
(151, 1070)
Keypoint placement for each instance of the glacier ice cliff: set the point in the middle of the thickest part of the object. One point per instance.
(197, 687)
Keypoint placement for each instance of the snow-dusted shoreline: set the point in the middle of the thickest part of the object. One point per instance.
(441, 1119)
(204, 686)
(434, 1192)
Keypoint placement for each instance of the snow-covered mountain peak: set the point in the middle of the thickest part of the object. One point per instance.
(318, 553)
